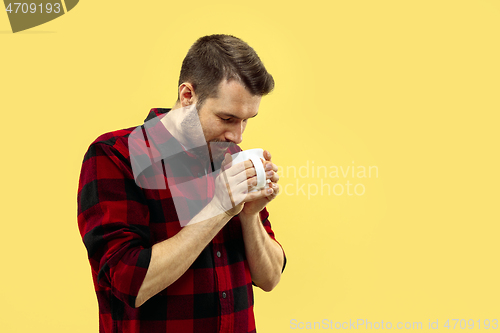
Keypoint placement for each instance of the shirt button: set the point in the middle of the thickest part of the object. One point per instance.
(218, 254)
(224, 294)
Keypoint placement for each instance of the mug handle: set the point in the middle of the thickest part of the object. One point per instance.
(259, 169)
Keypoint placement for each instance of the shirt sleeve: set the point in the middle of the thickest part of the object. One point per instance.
(264, 216)
(113, 220)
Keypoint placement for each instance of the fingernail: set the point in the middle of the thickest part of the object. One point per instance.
(269, 166)
(269, 190)
(269, 173)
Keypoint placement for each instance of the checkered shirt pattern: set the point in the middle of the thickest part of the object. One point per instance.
(120, 221)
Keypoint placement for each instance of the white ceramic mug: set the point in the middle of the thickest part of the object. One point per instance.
(256, 156)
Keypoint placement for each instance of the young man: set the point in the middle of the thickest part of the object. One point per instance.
(152, 272)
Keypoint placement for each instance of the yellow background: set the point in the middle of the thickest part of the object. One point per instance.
(411, 87)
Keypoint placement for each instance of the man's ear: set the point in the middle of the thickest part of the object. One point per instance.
(187, 95)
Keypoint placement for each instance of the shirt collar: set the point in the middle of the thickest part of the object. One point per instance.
(156, 112)
(165, 143)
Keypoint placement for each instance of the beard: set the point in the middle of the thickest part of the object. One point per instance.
(214, 151)
(218, 150)
(192, 131)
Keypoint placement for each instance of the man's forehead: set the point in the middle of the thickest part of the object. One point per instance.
(234, 100)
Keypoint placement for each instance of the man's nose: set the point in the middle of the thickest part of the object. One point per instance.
(235, 134)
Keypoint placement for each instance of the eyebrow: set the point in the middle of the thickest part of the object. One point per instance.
(233, 116)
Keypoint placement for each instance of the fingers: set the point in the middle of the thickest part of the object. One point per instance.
(270, 166)
(226, 163)
(276, 190)
(271, 172)
(268, 193)
(267, 163)
(241, 193)
(249, 173)
(241, 172)
(236, 182)
(273, 176)
(228, 189)
(245, 165)
(265, 192)
(267, 155)
(242, 176)
(233, 170)
(271, 192)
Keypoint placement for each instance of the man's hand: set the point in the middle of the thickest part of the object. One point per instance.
(254, 206)
(233, 183)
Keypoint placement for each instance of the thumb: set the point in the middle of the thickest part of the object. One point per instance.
(226, 163)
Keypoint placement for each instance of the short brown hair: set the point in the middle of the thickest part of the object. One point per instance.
(216, 57)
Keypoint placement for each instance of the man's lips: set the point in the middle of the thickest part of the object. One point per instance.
(221, 145)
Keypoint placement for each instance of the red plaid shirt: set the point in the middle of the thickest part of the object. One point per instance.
(120, 222)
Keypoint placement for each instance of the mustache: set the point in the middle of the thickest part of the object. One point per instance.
(221, 144)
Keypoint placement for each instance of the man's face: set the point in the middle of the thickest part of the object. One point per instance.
(224, 118)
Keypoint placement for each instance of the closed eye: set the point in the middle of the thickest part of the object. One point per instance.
(230, 119)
